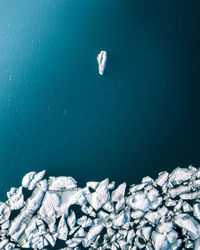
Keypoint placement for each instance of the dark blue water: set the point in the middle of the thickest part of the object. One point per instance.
(57, 113)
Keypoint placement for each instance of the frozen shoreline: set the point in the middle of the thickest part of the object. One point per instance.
(156, 214)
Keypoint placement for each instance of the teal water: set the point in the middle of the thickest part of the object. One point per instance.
(57, 113)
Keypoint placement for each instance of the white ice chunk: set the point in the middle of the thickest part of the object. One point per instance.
(172, 236)
(51, 238)
(147, 179)
(180, 175)
(152, 216)
(50, 205)
(57, 203)
(160, 241)
(188, 223)
(73, 243)
(4, 212)
(196, 211)
(31, 229)
(92, 184)
(197, 244)
(15, 224)
(157, 203)
(36, 178)
(130, 236)
(121, 219)
(162, 178)
(80, 233)
(62, 229)
(61, 183)
(5, 225)
(190, 196)
(165, 227)
(11, 246)
(94, 231)
(137, 215)
(170, 203)
(179, 190)
(102, 59)
(153, 194)
(3, 243)
(187, 207)
(34, 202)
(43, 185)
(118, 196)
(120, 205)
(84, 221)
(138, 201)
(134, 188)
(71, 220)
(119, 192)
(146, 232)
(15, 198)
(196, 184)
(99, 198)
(111, 185)
(103, 215)
(74, 229)
(122, 243)
(27, 179)
(109, 206)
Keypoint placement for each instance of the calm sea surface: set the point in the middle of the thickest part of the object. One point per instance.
(57, 112)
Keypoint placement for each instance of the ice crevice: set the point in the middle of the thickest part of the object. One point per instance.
(156, 214)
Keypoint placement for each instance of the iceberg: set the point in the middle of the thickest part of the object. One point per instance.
(102, 60)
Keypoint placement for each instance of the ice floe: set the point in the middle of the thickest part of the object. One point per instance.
(102, 60)
(157, 214)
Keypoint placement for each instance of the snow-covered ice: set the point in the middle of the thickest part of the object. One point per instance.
(102, 60)
(156, 214)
